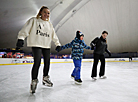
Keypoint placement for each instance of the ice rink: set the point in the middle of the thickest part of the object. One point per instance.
(121, 84)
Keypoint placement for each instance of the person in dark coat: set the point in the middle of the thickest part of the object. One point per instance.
(99, 46)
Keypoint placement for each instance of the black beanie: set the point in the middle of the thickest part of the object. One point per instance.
(79, 34)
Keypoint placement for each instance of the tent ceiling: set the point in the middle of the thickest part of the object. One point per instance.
(118, 17)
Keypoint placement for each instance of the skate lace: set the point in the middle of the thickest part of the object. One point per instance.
(47, 80)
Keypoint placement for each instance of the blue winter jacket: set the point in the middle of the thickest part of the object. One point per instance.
(77, 48)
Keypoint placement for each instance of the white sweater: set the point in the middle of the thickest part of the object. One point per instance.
(39, 33)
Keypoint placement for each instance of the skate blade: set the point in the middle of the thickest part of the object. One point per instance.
(78, 83)
(102, 77)
(94, 79)
(46, 84)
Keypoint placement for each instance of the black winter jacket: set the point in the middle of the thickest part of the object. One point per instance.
(99, 45)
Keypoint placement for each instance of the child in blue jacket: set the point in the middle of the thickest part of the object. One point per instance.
(77, 46)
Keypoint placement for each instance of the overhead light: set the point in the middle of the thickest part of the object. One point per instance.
(61, 2)
(74, 11)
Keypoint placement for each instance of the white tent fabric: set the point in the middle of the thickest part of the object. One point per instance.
(118, 17)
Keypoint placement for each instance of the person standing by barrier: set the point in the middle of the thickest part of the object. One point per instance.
(100, 46)
(39, 32)
(130, 59)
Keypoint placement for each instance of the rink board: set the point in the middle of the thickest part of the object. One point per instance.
(15, 61)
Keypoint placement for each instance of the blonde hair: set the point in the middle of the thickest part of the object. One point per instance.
(39, 13)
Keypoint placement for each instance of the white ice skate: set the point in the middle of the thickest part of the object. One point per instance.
(94, 78)
(103, 77)
(46, 81)
(33, 86)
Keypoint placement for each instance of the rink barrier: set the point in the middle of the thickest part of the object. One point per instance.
(15, 61)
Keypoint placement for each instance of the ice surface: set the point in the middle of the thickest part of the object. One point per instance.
(121, 84)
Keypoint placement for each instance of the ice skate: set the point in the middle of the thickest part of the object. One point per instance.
(94, 78)
(72, 77)
(46, 81)
(78, 81)
(103, 77)
(33, 86)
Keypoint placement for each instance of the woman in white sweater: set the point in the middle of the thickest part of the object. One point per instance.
(39, 32)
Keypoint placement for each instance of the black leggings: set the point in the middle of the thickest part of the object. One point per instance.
(37, 52)
(102, 67)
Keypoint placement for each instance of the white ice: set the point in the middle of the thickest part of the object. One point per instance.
(121, 84)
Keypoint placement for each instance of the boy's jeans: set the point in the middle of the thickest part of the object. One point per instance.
(77, 69)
